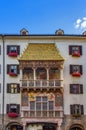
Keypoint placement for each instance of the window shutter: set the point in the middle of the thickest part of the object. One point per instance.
(70, 50)
(71, 109)
(81, 69)
(8, 108)
(80, 50)
(81, 88)
(0, 69)
(18, 50)
(0, 50)
(8, 88)
(71, 88)
(18, 71)
(18, 108)
(18, 88)
(71, 69)
(8, 66)
(8, 47)
(82, 110)
(0, 87)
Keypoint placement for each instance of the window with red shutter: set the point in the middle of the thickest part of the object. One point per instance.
(76, 70)
(13, 50)
(13, 110)
(75, 50)
(13, 70)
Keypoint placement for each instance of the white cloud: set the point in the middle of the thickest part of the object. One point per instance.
(80, 23)
(77, 26)
(84, 18)
(83, 25)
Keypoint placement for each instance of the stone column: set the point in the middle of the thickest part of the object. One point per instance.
(61, 76)
(59, 125)
(47, 76)
(24, 127)
(34, 73)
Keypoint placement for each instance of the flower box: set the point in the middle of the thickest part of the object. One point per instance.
(12, 74)
(12, 114)
(76, 54)
(14, 54)
(76, 115)
(76, 74)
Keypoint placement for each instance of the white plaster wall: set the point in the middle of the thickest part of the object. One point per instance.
(62, 45)
(68, 79)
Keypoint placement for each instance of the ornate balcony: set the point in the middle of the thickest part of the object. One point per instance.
(42, 114)
(41, 83)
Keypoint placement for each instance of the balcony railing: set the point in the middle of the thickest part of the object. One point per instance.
(42, 114)
(41, 83)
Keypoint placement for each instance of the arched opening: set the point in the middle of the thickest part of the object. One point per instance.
(76, 127)
(49, 128)
(14, 126)
(41, 73)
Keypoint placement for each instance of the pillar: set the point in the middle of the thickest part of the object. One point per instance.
(24, 127)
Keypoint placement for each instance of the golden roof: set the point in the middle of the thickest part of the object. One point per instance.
(40, 51)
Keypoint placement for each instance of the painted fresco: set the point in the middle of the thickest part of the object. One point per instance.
(58, 99)
(32, 96)
(24, 98)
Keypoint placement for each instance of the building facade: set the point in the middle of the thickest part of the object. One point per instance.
(42, 81)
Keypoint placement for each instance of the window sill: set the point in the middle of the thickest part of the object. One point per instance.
(13, 54)
(76, 54)
(76, 74)
(12, 74)
(12, 114)
(76, 115)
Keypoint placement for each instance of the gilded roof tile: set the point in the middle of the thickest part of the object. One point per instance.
(36, 51)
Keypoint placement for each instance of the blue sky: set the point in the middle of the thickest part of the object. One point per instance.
(42, 16)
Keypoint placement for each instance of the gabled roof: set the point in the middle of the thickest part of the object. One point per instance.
(40, 51)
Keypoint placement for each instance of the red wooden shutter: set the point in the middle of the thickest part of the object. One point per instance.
(81, 69)
(18, 88)
(81, 88)
(18, 50)
(70, 50)
(8, 88)
(8, 48)
(71, 69)
(80, 50)
(82, 110)
(71, 109)
(18, 71)
(8, 108)
(8, 68)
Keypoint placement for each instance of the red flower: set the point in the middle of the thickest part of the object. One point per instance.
(12, 114)
(76, 74)
(14, 54)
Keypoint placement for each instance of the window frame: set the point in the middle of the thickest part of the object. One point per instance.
(9, 109)
(73, 52)
(13, 90)
(13, 72)
(11, 52)
(76, 109)
(77, 90)
(76, 72)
